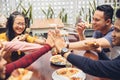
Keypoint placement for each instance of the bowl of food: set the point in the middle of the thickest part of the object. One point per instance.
(68, 74)
(21, 74)
(58, 60)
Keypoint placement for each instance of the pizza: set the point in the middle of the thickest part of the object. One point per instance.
(21, 74)
(67, 72)
(58, 60)
(75, 78)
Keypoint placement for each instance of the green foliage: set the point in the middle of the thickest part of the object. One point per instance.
(92, 6)
(26, 12)
(49, 13)
(88, 16)
(91, 9)
(63, 16)
(115, 8)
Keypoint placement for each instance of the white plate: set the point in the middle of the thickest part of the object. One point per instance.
(80, 74)
(58, 60)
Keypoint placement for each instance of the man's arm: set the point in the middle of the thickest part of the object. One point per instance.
(81, 45)
(100, 68)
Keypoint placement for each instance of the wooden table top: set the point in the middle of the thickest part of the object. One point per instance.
(43, 69)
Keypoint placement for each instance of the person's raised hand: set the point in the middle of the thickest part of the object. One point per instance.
(50, 39)
(2, 50)
(20, 37)
(58, 40)
(1, 45)
(80, 27)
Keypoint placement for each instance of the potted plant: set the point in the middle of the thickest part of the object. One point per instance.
(115, 8)
(87, 18)
(63, 16)
(49, 14)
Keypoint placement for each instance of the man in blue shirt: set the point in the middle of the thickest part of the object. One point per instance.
(104, 68)
(102, 25)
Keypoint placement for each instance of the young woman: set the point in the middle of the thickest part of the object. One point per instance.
(16, 27)
(6, 69)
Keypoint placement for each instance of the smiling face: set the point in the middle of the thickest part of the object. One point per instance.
(116, 33)
(19, 25)
(99, 22)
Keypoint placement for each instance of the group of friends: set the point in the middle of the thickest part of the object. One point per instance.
(15, 42)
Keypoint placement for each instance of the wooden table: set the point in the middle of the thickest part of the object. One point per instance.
(43, 69)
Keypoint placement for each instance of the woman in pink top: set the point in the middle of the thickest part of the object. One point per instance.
(6, 69)
(20, 46)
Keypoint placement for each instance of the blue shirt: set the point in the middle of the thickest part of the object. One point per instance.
(108, 36)
(105, 68)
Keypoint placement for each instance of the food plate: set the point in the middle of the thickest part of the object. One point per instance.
(68, 74)
(21, 74)
(58, 60)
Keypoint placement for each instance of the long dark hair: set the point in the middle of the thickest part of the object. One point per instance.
(10, 32)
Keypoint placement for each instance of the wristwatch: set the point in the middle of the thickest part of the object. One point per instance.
(64, 50)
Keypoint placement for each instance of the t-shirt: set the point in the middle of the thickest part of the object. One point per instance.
(108, 36)
(114, 52)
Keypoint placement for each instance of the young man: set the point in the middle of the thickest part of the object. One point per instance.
(102, 24)
(6, 69)
(104, 68)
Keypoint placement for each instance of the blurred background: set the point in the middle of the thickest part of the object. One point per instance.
(73, 8)
(69, 11)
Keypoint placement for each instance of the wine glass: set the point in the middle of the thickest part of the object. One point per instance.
(68, 64)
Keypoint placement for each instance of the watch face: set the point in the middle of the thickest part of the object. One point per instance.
(64, 50)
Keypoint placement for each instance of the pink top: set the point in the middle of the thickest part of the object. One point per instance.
(22, 46)
(27, 59)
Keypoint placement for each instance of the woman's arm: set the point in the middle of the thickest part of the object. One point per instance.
(27, 59)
